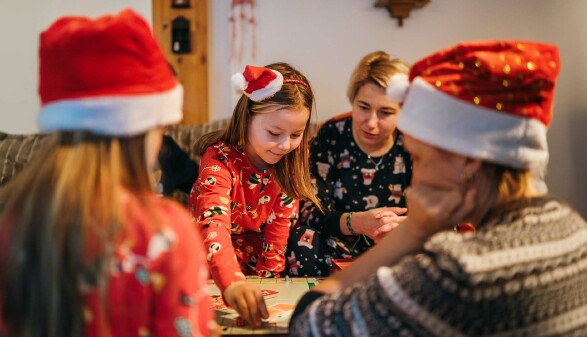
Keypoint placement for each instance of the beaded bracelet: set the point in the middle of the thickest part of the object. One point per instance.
(348, 223)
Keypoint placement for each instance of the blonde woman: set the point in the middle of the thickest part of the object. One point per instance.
(360, 170)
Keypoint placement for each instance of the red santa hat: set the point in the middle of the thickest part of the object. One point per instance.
(107, 76)
(258, 83)
(488, 100)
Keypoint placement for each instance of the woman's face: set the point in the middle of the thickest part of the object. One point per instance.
(433, 166)
(374, 118)
(272, 135)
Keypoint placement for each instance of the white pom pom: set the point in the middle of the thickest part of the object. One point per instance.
(397, 87)
(238, 81)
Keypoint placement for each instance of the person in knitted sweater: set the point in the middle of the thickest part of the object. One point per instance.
(475, 120)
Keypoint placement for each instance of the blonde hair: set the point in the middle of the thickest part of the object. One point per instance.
(512, 185)
(505, 187)
(377, 68)
(61, 208)
(292, 171)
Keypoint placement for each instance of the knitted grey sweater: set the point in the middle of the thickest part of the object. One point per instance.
(522, 274)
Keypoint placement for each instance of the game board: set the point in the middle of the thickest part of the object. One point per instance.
(281, 295)
(340, 264)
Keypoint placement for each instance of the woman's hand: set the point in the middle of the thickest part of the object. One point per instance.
(433, 210)
(247, 300)
(377, 222)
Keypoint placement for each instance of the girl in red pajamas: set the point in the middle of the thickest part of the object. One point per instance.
(251, 176)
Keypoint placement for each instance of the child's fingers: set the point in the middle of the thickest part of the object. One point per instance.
(253, 296)
(263, 307)
(242, 308)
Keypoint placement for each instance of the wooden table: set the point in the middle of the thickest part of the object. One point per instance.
(281, 296)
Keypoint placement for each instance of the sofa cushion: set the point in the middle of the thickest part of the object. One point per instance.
(186, 136)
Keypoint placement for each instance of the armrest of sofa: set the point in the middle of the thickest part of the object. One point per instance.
(17, 150)
(186, 136)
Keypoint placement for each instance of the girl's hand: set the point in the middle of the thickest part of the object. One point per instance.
(377, 222)
(247, 300)
(433, 210)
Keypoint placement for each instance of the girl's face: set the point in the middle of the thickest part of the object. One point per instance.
(374, 118)
(272, 135)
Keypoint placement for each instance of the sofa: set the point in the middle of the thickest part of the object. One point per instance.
(17, 150)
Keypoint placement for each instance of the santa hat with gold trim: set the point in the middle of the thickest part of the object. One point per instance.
(105, 75)
(489, 100)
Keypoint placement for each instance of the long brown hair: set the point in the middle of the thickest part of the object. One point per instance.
(292, 171)
(61, 209)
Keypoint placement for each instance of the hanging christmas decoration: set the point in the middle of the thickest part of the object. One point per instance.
(244, 21)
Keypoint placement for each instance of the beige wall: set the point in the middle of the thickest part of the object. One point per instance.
(325, 38)
(20, 25)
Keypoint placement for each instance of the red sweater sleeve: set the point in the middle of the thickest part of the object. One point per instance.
(276, 233)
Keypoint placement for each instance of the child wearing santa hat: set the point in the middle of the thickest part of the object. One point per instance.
(251, 176)
(86, 247)
(475, 121)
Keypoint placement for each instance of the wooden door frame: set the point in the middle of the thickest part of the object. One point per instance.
(192, 67)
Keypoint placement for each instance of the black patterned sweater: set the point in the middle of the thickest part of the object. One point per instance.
(524, 273)
(347, 179)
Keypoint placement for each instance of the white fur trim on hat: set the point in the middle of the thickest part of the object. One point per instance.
(397, 87)
(238, 82)
(441, 120)
(114, 115)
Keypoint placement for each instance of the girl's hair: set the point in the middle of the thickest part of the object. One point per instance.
(292, 171)
(377, 68)
(60, 215)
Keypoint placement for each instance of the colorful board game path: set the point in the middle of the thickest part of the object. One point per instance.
(281, 296)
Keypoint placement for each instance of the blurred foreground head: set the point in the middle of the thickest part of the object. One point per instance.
(107, 76)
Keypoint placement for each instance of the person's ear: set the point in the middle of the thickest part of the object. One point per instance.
(470, 169)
